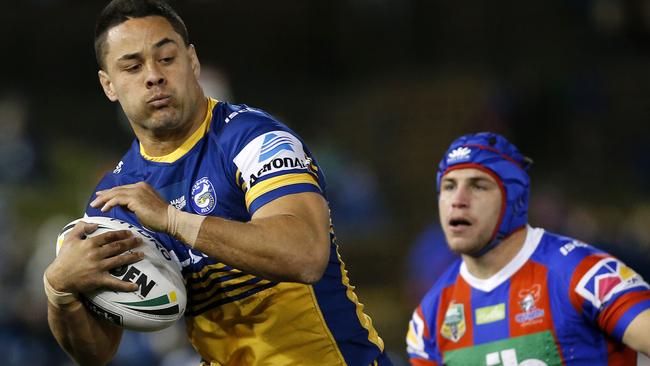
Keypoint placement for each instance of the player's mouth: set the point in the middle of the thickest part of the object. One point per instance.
(160, 100)
(459, 224)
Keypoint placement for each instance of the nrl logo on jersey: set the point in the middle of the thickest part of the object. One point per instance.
(527, 302)
(454, 326)
(459, 154)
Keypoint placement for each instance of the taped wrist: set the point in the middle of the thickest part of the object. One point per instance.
(184, 226)
(57, 298)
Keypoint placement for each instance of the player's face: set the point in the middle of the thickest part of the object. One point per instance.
(469, 207)
(151, 72)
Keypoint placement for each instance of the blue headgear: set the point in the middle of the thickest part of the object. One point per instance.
(495, 155)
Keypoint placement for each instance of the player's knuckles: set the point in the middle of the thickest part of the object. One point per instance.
(89, 281)
(90, 228)
(77, 232)
(69, 240)
(122, 260)
(78, 228)
(112, 236)
(134, 242)
(117, 247)
(142, 185)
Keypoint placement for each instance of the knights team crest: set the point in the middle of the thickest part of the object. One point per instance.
(453, 326)
(528, 299)
(203, 197)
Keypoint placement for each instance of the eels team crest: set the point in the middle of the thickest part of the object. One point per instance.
(203, 197)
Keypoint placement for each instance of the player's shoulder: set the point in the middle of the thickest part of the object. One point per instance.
(126, 171)
(563, 254)
(240, 122)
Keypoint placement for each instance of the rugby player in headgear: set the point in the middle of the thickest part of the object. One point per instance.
(493, 155)
(520, 295)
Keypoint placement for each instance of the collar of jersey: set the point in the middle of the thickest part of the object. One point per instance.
(533, 237)
(189, 143)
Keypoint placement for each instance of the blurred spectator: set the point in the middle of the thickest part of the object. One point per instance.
(16, 150)
(428, 258)
(356, 204)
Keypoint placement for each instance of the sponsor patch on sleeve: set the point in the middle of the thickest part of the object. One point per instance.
(270, 153)
(607, 278)
(415, 337)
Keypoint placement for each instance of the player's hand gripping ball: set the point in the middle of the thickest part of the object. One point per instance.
(160, 299)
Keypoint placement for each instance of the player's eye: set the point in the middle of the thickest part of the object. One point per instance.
(479, 187)
(133, 68)
(448, 186)
(167, 60)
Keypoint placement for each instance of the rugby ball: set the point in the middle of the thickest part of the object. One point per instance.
(160, 299)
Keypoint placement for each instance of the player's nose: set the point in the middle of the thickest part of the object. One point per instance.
(460, 197)
(155, 77)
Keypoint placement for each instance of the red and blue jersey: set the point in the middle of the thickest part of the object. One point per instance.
(557, 302)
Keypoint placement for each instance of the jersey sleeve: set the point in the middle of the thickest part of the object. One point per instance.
(609, 293)
(420, 342)
(268, 159)
(118, 212)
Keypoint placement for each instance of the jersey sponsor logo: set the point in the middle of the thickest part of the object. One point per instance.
(567, 248)
(508, 357)
(280, 164)
(203, 197)
(527, 302)
(118, 168)
(490, 314)
(179, 202)
(236, 113)
(607, 278)
(459, 154)
(272, 145)
(536, 349)
(103, 313)
(271, 153)
(134, 275)
(454, 326)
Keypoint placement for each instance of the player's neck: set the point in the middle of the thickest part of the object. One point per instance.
(490, 263)
(161, 143)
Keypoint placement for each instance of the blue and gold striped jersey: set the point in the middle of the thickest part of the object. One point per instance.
(238, 160)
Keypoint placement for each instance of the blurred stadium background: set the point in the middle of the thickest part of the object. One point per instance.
(378, 89)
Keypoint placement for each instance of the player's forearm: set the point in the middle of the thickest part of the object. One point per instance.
(280, 247)
(83, 337)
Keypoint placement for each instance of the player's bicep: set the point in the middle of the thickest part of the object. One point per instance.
(307, 206)
(609, 293)
(272, 165)
(637, 334)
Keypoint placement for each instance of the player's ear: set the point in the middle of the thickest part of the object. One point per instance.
(107, 85)
(194, 60)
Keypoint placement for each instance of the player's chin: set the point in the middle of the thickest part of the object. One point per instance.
(164, 120)
(461, 245)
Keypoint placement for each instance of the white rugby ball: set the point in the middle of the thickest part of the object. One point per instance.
(160, 299)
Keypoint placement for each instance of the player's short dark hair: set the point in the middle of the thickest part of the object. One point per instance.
(119, 11)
